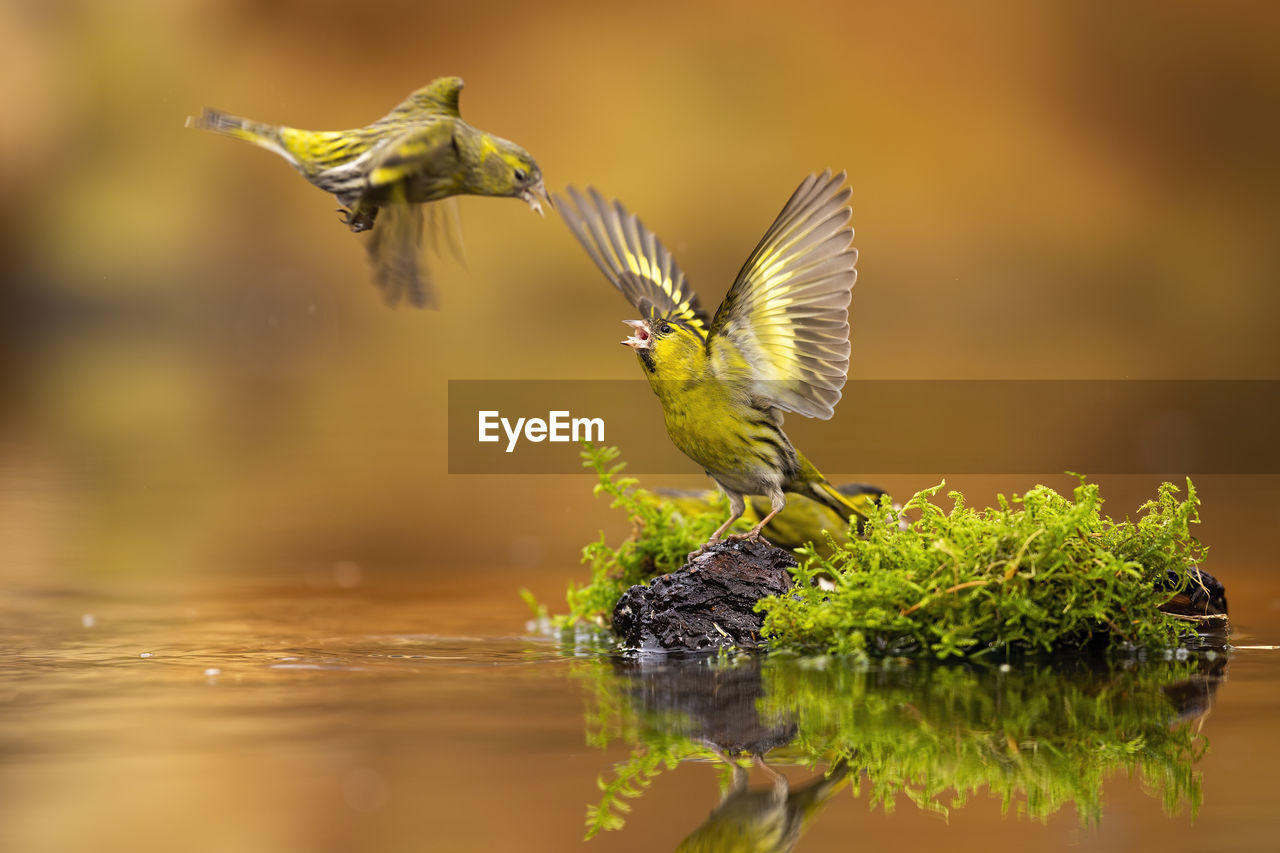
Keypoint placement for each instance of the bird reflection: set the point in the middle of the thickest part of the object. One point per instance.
(764, 819)
(718, 707)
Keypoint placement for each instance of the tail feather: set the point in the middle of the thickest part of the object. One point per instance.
(856, 501)
(255, 132)
(858, 506)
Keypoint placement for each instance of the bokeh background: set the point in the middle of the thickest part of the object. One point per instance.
(199, 380)
(217, 445)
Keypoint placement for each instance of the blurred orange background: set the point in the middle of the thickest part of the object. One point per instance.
(200, 378)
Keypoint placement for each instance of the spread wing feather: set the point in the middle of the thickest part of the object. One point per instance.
(632, 258)
(394, 251)
(787, 313)
(437, 98)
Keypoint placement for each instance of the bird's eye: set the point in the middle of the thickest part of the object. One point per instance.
(664, 329)
(521, 174)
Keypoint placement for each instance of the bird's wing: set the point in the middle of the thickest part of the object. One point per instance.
(632, 258)
(787, 313)
(420, 149)
(394, 252)
(439, 97)
(444, 229)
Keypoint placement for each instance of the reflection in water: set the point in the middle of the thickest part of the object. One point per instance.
(764, 820)
(1037, 736)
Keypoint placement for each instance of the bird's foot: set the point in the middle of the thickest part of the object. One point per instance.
(752, 535)
(357, 220)
(693, 555)
(749, 536)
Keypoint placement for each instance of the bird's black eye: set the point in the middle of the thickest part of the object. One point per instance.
(664, 329)
(521, 174)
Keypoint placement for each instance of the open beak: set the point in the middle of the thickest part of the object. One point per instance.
(641, 339)
(535, 196)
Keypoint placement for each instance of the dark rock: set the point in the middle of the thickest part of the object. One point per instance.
(1204, 595)
(1202, 602)
(708, 603)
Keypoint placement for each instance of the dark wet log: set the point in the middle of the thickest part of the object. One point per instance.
(1203, 596)
(1203, 602)
(707, 604)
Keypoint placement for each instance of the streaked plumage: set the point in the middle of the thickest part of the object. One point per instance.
(422, 151)
(778, 343)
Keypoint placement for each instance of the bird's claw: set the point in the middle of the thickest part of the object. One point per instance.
(749, 536)
(693, 555)
(356, 221)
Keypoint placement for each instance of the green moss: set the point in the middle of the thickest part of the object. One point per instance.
(1039, 572)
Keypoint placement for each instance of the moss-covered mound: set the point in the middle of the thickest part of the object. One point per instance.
(1040, 572)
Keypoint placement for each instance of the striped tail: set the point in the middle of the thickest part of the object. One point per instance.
(258, 133)
(858, 506)
(856, 501)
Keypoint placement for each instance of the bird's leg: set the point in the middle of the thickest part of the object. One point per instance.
(777, 502)
(737, 506)
(359, 218)
(740, 778)
(780, 783)
(715, 537)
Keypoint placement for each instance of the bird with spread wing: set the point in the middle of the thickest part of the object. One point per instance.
(778, 343)
(422, 151)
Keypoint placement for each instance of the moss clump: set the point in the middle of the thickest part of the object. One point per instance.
(1039, 572)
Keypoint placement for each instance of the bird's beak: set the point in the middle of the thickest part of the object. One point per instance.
(535, 196)
(641, 339)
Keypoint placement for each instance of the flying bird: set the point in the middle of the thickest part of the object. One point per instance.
(384, 173)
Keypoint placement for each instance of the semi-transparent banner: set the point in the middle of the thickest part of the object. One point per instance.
(933, 427)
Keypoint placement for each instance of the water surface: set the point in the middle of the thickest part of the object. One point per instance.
(278, 717)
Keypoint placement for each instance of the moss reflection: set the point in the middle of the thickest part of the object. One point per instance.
(1037, 737)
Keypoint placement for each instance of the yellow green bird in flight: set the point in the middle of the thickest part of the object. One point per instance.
(778, 343)
(422, 151)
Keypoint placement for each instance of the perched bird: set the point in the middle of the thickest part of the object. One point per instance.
(778, 343)
(422, 151)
